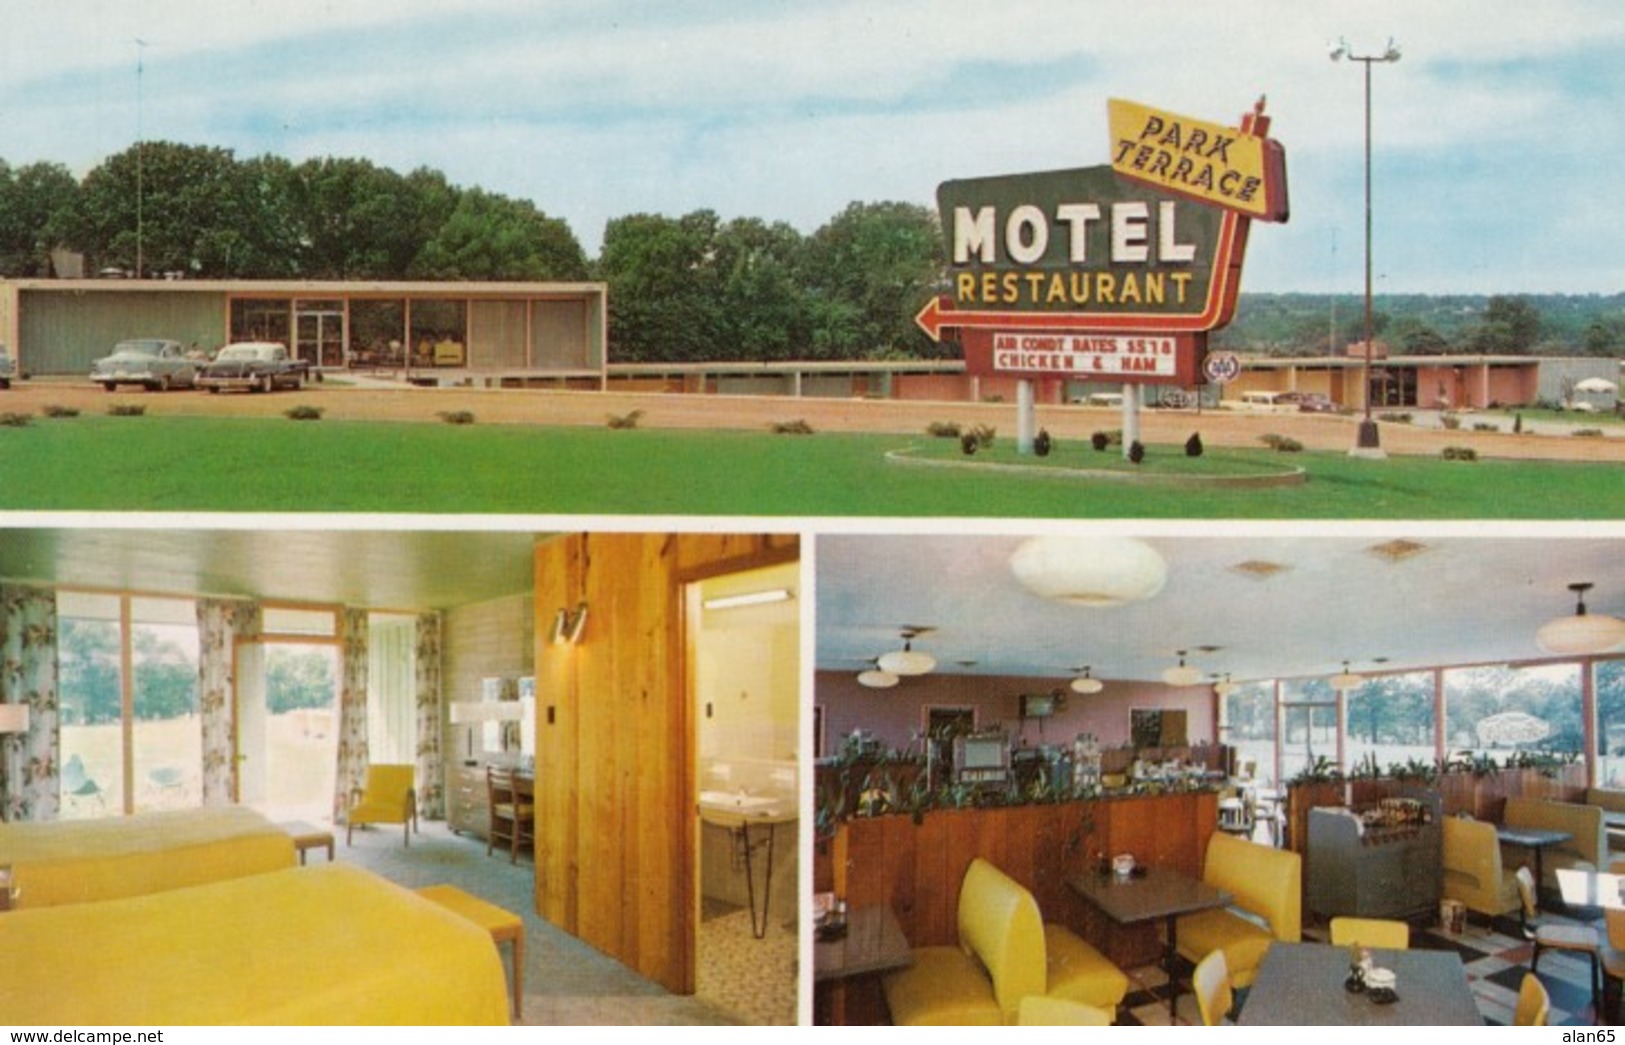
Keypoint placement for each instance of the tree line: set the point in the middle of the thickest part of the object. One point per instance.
(681, 289)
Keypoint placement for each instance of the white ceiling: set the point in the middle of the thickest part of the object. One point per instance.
(1456, 600)
(379, 569)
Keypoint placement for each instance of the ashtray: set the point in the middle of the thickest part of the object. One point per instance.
(1382, 995)
(831, 931)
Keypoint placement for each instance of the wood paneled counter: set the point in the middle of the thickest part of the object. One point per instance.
(916, 869)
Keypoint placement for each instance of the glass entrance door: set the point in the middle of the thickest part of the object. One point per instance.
(319, 327)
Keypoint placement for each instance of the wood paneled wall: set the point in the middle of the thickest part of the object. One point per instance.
(616, 827)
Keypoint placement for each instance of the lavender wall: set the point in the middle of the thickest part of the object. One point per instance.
(895, 715)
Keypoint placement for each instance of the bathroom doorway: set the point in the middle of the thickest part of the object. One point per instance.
(744, 638)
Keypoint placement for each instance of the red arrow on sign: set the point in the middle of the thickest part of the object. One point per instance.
(939, 314)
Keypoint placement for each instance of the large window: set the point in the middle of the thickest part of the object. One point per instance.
(1308, 725)
(1247, 722)
(137, 744)
(1610, 685)
(1389, 720)
(1497, 711)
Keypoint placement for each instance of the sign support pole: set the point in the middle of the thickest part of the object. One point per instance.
(1026, 417)
(1131, 417)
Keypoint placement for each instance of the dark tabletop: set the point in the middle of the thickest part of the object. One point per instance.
(1159, 893)
(874, 942)
(1301, 985)
(1533, 837)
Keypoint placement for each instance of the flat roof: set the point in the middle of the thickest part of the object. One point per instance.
(313, 288)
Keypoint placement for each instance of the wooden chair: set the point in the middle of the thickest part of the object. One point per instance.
(1534, 1004)
(1214, 994)
(1371, 932)
(388, 796)
(513, 809)
(1576, 939)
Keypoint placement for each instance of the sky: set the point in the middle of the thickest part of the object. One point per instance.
(1496, 137)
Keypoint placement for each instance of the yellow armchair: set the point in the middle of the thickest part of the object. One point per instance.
(1266, 884)
(387, 796)
(1473, 872)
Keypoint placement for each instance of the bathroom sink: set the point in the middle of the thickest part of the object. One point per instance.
(732, 808)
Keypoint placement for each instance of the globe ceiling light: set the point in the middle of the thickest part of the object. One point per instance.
(874, 678)
(908, 660)
(1583, 632)
(1182, 674)
(1086, 683)
(1089, 571)
(1225, 688)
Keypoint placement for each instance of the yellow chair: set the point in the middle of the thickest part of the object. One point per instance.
(1576, 939)
(1266, 884)
(388, 796)
(1038, 1011)
(1211, 985)
(1371, 932)
(1534, 1004)
(1613, 950)
(1474, 873)
(512, 799)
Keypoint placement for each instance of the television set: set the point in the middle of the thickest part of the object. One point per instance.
(1037, 705)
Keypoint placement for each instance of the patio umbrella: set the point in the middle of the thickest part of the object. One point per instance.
(1596, 384)
(1512, 727)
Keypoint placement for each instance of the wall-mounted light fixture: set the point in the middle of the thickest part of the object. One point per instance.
(749, 598)
(568, 625)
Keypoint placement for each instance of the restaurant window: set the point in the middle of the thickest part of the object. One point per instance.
(1308, 725)
(1610, 688)
(1500, 710)
(1389, 719)
(262, 319)
(378, 333)
(439, 334)
(1247, 725)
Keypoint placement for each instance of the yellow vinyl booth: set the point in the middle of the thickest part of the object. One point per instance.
(389, 796)
(1266, 883)
(1005, 954)
(1586, 849)
(1473, 872)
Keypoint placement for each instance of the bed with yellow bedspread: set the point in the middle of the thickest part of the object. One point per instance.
(323, 945)
(74, 861)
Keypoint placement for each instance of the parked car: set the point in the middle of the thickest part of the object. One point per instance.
(1316, 403)
(8, 367)
(254, 366)
(153, 363)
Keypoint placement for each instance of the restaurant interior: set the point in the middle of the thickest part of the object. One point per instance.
(1367, 778)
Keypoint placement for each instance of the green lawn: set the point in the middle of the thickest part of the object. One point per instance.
(231, 464)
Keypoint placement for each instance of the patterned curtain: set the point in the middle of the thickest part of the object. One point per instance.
(431, 768)
(220, 623)
(352, 767)
(30, 786)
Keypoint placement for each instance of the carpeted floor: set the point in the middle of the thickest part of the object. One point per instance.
(742, 980)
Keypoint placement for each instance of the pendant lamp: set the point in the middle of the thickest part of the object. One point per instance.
(874, 678)
(908, 660)
(1086, 683)
(1225, 688)
(1182, 674)
(1346, 679)
(1582, 632)
(1089, 571)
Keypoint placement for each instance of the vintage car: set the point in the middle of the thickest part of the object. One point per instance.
(1317, 403)
(8, 367)
(153, 363)
(257, 366)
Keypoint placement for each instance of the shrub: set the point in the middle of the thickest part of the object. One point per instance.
(456, 417)
(1193, 445)
(796, 427)
(984, 436)
(967, 444)
(625, 421)
(1041, 443)
(1100, 440)
(1460, 453)
(10, 419)
(1588, 433)
(126, 410)
(1284, 444)
(943, 429)
(1395, 418)
(1136, 452)
(303, 412)
(1450, 421)
(1486, 426)
(1517, 424)
(53, 410)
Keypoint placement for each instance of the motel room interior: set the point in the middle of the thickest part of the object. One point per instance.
(599, 736)
(1050, 702)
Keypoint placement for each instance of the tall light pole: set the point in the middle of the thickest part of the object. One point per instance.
(140, 152)
(1368, 443)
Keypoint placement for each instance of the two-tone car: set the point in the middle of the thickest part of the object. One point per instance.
(155, 364)
(253, 366)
